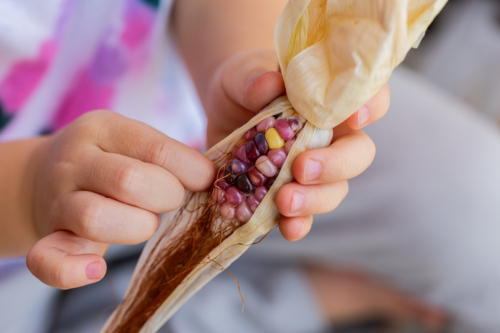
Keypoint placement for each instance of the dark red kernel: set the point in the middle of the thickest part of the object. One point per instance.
(222, 184)
(228, 175)
(244, 185)
(234, 196)
(277, 156)
(261, 143)
(250, 134)
(294, 123)
(270, 182)
(260, 193)
(252, 203)
(285, 131)
(256, 177)
(252, 152)
(242, 155)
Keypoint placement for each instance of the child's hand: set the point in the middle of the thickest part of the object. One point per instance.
(249, 81)
(102, 180)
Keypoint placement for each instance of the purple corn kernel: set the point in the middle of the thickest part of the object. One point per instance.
(278, 157)
(222, 184)
(260, 193)
(243, 212)
(234, 196)
(289, 145)
(227, 211)
(265, 166)
(252, 203)
(244, 184)
(242, 155)
(228, 175)
(256, 177)
(284, 129)
(252, 152)
(239, 167)
(270, 182)
(261, 143)
(250, 133)
(266, 124)
(294, 123)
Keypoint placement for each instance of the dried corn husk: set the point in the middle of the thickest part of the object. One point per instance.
(334, 56)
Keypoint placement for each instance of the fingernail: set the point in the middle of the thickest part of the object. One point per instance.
(313, 170)
(297, 202)
(94, 271)
(363, 116)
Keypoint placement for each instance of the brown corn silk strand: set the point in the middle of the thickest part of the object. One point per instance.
(186, 251)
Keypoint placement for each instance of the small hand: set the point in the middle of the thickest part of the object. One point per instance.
(101, 180)
(248, 82)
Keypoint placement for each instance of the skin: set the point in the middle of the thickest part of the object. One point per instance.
(104, 178)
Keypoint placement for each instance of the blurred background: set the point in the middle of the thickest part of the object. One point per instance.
(460, 55)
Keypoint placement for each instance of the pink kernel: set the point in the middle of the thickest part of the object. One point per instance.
(227, 212)
(250, 133)
(284, 129)
(252, 203)
(260, 193)
(234, 196)
(266, 124)
(278, 157)
(265, 166)
(243, 212)
(289, 145)
(256, 177)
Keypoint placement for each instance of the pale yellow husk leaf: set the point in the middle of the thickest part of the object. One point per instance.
(334, 56)
(337, 54)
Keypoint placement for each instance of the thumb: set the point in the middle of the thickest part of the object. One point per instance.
(252, 82)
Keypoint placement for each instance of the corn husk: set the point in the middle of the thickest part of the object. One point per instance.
(334, 56)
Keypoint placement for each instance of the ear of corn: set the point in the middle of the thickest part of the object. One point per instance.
(334, 56)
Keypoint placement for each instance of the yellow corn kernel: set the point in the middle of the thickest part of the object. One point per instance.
(274, 140)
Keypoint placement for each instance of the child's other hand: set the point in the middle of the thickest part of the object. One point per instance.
(249, 81)
(102, 180)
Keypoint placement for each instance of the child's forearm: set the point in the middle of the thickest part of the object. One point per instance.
(209, 32)
(17, 233)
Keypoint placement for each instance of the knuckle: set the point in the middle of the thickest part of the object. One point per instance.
(342, 167)
(91, 123)
(127, 178)
(159, 153)
(90, 223)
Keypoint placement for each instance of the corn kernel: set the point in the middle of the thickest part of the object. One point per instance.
(273, 139)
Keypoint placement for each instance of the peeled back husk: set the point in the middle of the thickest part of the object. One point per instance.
(334, 56)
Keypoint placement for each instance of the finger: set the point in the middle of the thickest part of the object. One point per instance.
(104, 220)
(372, 111)
(295, 228)
(130, 181)
(140, 141)
(253, 82)
(242, 88)
(295, 199)
(345, 158)
(63, 260)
